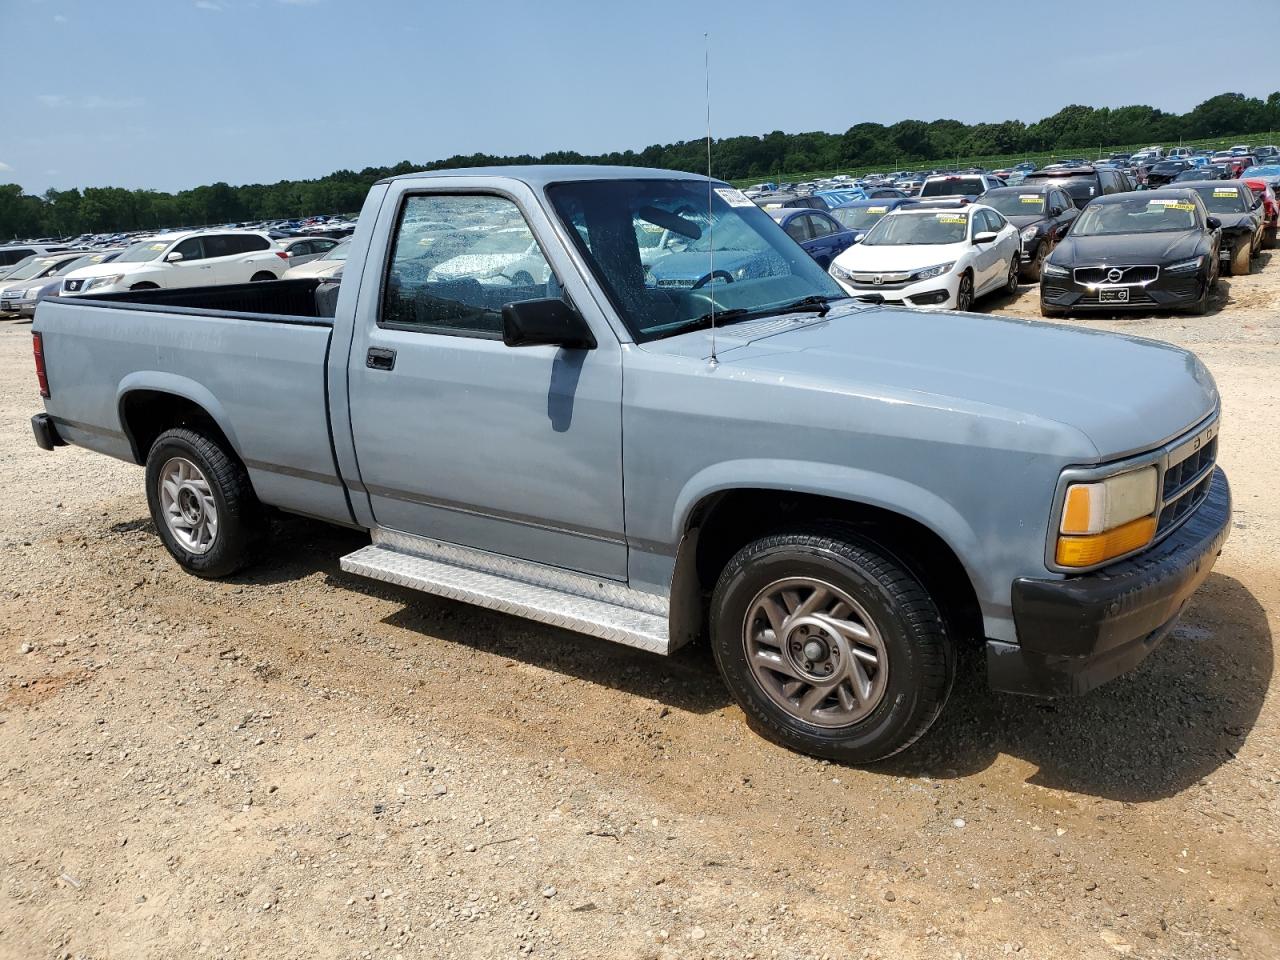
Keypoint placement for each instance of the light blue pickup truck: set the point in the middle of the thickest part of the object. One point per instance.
(839, 497)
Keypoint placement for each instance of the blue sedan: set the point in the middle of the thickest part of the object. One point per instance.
(859, 216)
(822, 236)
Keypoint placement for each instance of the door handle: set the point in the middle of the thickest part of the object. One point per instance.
(380, 359)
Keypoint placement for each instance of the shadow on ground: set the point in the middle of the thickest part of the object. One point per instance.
(1182, 714)
(1150, 734)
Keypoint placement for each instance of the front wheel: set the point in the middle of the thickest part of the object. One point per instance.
(1239, 263)
(1011, 281)
(964, 296)
(202, 503)
(830, 646)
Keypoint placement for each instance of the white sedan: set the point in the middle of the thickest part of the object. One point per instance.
(940, 257)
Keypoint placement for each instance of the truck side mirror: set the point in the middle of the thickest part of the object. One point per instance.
(551, 322)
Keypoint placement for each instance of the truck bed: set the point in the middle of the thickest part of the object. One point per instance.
(253, 356)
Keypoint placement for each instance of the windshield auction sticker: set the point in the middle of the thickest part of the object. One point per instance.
(877, 209)
(734, 198)
(1031, 198)
(950, 218)
(1225, 193)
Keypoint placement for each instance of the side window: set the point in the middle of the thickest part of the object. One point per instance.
(996, 221)
(219, 245)
(322, 246)
(190, 249)
(798, 229)
(245, 243)
(302, 248)
(821, 226)
(456, 259)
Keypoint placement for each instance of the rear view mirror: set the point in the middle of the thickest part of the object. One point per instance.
(172, 257)
(985, 237)
(1213, 223)
(550, 322)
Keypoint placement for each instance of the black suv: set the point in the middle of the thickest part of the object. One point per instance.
(1082, 183)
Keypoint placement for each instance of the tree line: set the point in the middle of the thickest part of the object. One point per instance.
(65, 213)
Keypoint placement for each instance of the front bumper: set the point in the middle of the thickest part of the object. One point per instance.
(936, 293)
(1166, 292)
(1076, 634)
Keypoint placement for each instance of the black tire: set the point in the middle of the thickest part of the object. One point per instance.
(240, 518)
(1201, 306)
(1238, 265)
(1011, 281)
(964, 296)
(1269, 238)
(1032, 271)
(262, 276)
(919, 652)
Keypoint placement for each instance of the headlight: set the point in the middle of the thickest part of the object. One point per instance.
(839, 272)
(32, 292)
(1107, 518)
(936, 271)
(1028, 234)
(110, 281)
(1185, 266)
(1053, 270)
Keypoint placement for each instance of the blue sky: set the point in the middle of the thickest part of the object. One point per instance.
(173, 93)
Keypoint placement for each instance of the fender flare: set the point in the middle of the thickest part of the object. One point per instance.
(157, 381)
(851, 484)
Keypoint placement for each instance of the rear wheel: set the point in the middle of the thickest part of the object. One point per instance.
(1032, 270)
(830, 646)
(202, 503)
(1011, 281)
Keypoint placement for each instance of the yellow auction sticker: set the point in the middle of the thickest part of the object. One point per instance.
(1032, 198)
(1226, 193)
(951, 218)
(158, 246)
(877, 209)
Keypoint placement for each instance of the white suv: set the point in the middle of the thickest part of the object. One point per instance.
(189, 259)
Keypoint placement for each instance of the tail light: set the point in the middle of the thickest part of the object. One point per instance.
(282, 255)
(37, 347)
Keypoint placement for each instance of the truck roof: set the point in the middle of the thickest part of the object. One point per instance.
(539, 175)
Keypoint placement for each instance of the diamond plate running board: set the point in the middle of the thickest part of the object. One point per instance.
(510, 593)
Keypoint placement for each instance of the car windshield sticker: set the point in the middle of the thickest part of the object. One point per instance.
(877, 209)
(157, 246)
(1031, 198)
(1173, 204)
(951, 218)
(734, 198)
(1225, 193)
(773, 206)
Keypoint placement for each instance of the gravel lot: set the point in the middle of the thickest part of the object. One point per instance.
(299, 763)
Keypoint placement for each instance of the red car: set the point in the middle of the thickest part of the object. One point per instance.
(1270, 206)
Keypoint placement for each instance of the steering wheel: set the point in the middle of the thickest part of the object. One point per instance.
(722, 275)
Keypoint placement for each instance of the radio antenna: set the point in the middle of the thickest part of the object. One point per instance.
(711, 234)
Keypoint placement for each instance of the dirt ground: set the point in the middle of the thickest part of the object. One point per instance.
(300, 763)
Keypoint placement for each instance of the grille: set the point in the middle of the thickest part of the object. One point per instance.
(887, 280)
(1096, 275)
(1186, 482)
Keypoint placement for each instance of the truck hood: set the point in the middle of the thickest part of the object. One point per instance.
(1124, 394)
(898, 257)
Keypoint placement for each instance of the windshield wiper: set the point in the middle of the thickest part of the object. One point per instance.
(818, 303)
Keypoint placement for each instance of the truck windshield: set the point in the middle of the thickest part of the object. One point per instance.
(141, 252)
(666, 265)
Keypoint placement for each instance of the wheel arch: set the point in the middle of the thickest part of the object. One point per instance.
(924, 532)
(150, 402)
